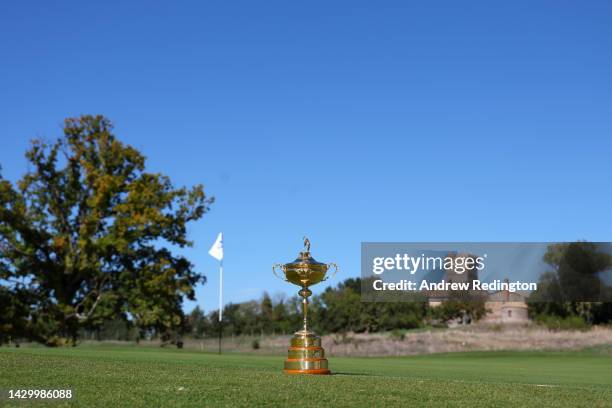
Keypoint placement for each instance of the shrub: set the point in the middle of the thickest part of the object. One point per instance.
(397, 335)
(563, 323)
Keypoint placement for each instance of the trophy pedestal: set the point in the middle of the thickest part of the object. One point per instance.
(305, 355)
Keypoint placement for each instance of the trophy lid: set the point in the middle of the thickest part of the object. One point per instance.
(304, 259)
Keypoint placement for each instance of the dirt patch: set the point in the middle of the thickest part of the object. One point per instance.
(471, 338)
(479, 337)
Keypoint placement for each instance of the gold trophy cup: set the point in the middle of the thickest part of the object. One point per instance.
(305, 354)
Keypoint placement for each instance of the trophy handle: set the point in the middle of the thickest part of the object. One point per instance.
(279, 266)
(329, 265)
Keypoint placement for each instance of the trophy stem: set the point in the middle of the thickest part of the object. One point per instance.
(305, 303)
(305, 293)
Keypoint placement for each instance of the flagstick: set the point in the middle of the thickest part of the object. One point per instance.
(216, 251)
(220, 302)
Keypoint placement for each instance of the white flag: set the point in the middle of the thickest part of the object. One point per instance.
(216, 251)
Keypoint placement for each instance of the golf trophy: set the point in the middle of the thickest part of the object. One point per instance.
(305, 354)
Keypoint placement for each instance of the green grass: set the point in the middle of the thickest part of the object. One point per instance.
(133, 376)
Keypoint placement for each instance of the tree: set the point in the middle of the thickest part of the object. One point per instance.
(280, 317)
(340, 309)
(198, 323)
(574, 286)
(87, 234)
(466, 309)
(266, 313)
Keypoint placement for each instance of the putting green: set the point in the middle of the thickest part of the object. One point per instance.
(142, 376)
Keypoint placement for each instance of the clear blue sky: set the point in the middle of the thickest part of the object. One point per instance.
(347, 121)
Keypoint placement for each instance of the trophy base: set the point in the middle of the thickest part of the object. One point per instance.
(305, 355)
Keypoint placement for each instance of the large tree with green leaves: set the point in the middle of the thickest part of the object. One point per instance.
(88, 234)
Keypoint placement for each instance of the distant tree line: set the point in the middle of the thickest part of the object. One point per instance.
(338, 309)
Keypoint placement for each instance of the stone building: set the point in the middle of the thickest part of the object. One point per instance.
(504, 307)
